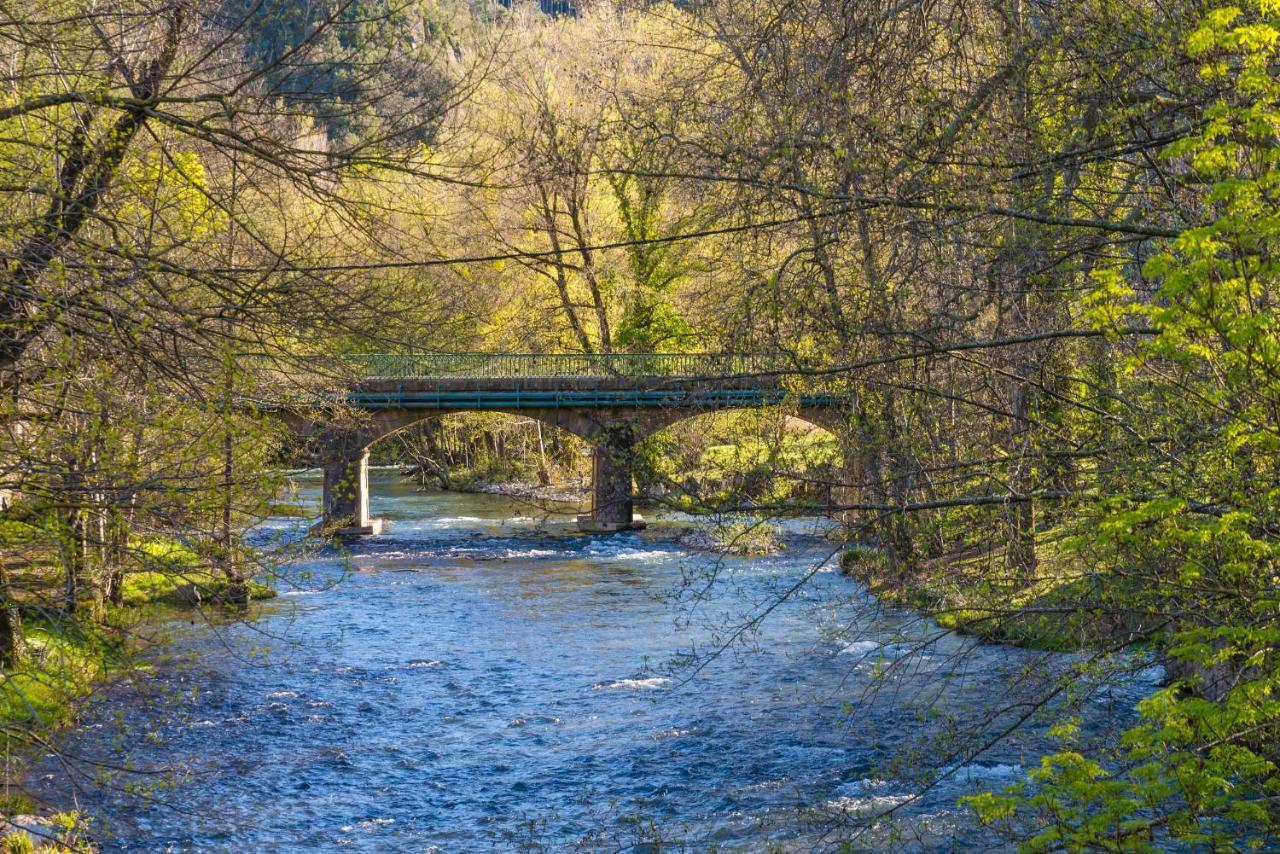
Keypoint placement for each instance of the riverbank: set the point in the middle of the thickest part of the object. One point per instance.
(498, 481)
(523, 490)
(67, 656)
(976, 594)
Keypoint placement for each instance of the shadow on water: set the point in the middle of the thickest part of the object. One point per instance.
(470, 681)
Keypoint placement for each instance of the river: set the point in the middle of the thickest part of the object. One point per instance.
(479, 678)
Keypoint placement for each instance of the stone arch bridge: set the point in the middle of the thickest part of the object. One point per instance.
(612, 401)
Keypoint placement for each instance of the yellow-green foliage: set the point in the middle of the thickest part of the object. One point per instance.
(168, 554)
(66, 834)
(795, 451)
(19, 843)
(1195, 544)
(761, 455)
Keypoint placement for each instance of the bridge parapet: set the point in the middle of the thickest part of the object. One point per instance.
(377, 366)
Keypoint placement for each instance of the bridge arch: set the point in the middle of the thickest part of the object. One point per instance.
(829, 421)
(343, 448)
(614, 436)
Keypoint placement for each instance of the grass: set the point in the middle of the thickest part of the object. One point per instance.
(187, 588)
(184, 581)
(62, 661)
(64, 658)
(742, 537)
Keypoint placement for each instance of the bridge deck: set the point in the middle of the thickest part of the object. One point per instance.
(568, 380)
(443, 394)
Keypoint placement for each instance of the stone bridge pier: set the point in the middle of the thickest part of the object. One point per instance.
(343, 455)
(612, 473)
(346, 496)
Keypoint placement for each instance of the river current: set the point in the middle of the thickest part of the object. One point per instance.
(480, 678)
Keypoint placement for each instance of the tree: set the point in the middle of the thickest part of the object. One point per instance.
(570, 141)
(1191, 540)
(170, 220)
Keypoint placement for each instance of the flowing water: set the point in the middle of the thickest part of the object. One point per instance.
(481, 679)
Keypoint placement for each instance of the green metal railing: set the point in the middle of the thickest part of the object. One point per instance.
(534, 365)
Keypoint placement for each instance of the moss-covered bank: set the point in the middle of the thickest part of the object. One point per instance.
(64, 658)
(975, 593)
(66, 655)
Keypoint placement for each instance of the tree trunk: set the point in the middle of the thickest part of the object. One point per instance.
(10, 624)
(1020, 512)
